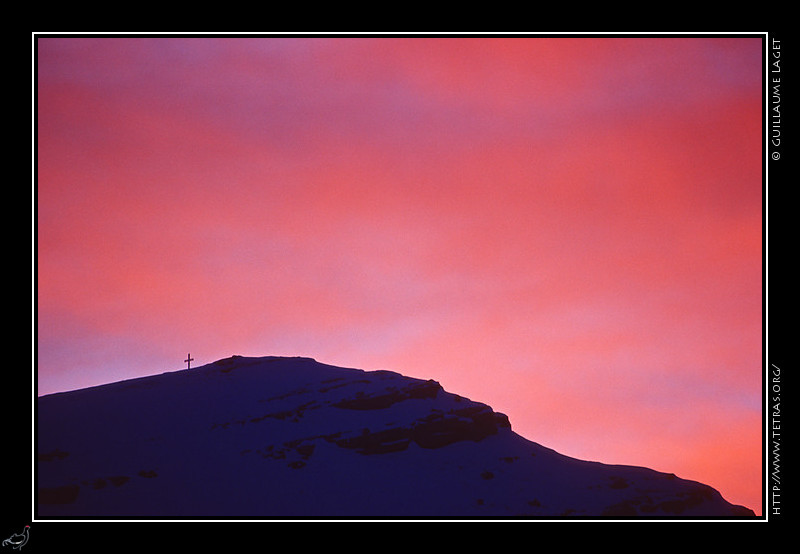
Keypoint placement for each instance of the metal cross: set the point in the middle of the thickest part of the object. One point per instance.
(188, 361)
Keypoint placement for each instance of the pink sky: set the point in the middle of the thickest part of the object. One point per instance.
(569, 230)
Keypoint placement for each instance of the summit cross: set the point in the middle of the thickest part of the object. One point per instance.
(188, 361)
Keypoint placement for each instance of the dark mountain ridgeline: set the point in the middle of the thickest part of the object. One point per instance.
(280, 437)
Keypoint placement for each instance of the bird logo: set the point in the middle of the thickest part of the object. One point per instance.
(17, 541)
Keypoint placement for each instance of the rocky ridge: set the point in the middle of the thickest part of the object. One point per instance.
(290, 437)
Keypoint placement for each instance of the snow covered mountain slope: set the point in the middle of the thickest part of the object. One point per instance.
(290, 437)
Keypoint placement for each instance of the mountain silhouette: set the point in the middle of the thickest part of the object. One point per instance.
(277, 437)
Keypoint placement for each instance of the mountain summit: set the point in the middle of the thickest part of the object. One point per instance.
(278, 437)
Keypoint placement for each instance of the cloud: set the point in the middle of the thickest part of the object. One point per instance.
(550, 226)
